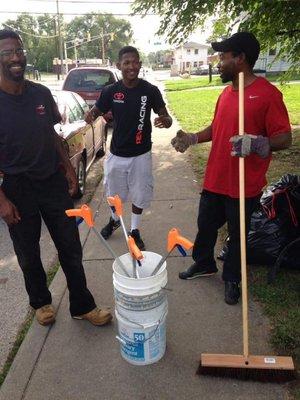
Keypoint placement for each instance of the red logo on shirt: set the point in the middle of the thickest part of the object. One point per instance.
(40, 109)
(138, 137)
(119, 96)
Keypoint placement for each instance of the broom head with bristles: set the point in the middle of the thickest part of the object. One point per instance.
(257, 368)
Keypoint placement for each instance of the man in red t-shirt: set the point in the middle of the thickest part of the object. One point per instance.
(268, 129)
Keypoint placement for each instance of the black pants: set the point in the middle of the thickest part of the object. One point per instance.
(214, 211)
(47, 199)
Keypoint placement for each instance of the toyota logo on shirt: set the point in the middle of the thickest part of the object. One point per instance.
(40, 109)
(119, 97)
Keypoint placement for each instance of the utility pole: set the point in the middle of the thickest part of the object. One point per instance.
(75, 53)
(66, 56)
(56, 48)
(61, 56)
(103, 49)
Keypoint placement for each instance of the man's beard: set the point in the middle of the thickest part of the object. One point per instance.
(226, 77)
(19, 77)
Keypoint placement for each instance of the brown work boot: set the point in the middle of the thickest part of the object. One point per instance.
(45, 315)
(96, 316)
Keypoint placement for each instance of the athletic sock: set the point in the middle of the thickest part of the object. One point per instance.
(135, 221)
(114, 216)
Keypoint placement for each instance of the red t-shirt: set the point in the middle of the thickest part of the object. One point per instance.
(265, 114)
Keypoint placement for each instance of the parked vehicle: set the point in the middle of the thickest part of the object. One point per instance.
(83, 142)
(204, 70)
(89, 81)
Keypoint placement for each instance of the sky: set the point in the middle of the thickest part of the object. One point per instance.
(144, 28)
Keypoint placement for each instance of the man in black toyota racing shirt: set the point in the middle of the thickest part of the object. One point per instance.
(128, 167)
(35, 188)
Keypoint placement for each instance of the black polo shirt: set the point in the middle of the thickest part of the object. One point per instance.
(26, 132)
(131, 109)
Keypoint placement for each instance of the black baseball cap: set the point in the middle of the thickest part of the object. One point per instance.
(240, 42)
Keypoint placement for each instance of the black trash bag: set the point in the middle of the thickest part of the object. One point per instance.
(289, 258)
(274, 226)
(282, 200)
(264, 239)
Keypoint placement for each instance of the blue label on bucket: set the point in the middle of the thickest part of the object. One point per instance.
(139, 337)
(154, 343)
(135, 350)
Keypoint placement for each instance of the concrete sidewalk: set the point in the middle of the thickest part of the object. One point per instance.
(73, 360)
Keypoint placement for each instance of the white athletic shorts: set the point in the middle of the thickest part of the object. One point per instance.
(129, 177)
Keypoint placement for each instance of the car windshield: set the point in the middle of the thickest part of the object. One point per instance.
(88, 80)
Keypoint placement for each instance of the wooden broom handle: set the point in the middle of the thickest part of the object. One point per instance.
(242, 223)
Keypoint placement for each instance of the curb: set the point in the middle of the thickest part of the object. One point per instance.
(29, 352)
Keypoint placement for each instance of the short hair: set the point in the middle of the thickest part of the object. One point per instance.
(8, 33)
(128, 49)
(249, 59)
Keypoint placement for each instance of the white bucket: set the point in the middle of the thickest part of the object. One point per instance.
(141, 309)
(142, 335)
(144, 293)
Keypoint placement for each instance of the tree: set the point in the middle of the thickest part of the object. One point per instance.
(160, 57)
(38, 35)
(93, 25)
(274, 22)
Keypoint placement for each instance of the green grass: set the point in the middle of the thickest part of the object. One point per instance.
(20, 337)
(195, 108)
(23, 330)
(203, 81)
(279, 76)
(191, 83)
(281, 304)
(291, 96)
(286, 161)
(281, 300)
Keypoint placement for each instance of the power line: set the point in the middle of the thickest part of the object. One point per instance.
(88, 13)
(86, 1)
(30, 34)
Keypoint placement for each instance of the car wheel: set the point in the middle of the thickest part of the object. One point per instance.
(81, 177)
(101, 152)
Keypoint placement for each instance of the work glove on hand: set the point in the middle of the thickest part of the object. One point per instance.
(183, 140)
(243, 145)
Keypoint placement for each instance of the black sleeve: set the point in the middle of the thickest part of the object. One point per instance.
(104, 101)
(157, 99)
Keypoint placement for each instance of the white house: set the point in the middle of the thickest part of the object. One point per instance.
(266, 62)
(189, 56)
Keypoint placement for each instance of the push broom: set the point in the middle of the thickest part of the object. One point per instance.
(245, 366)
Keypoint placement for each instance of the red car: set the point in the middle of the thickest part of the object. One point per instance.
(89, 81)
(83, 142)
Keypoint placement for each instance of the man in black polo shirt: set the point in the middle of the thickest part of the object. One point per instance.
(128, 167)
(33, 186)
